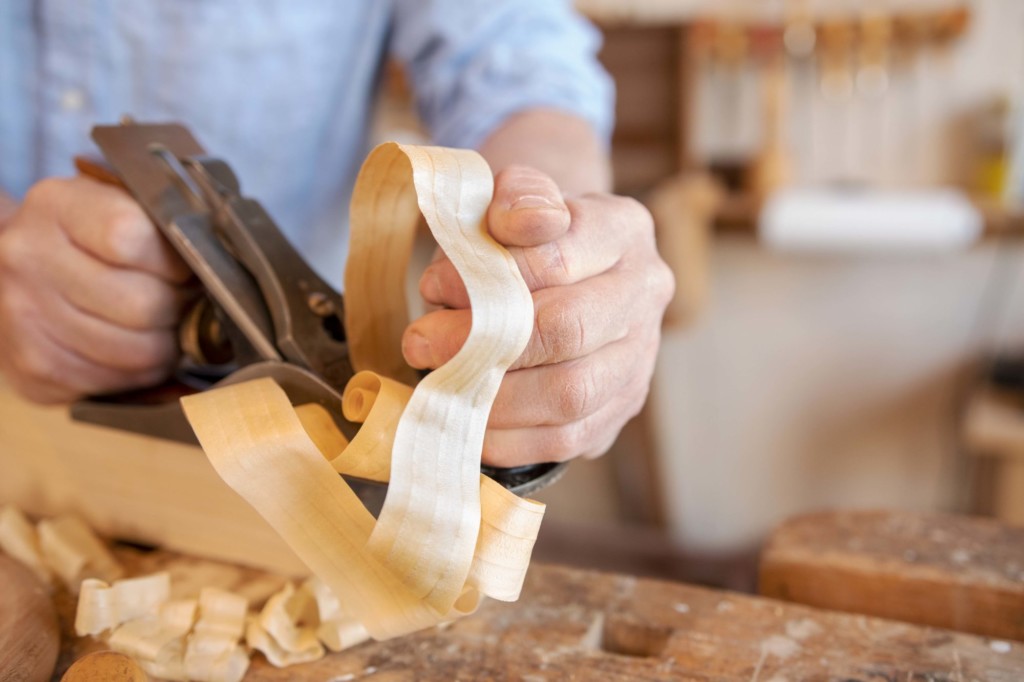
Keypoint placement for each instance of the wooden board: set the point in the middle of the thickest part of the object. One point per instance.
(581, 625)
(130, 487)
(933, 569)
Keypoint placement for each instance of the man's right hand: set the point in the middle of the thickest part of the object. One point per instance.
(90, 293)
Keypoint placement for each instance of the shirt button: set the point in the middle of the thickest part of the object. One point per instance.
(72, 99)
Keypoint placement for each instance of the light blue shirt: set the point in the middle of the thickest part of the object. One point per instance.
(282, 89)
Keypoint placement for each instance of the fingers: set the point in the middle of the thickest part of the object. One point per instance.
(89, 294)
(565, 392)
(107, 223)
(578, 409)
(588, 437)
(599, 291)
(435, 338)
(105, 344)
(583, 251)
(569, 322)
(527, 208)
(128, 298)
(46, 372)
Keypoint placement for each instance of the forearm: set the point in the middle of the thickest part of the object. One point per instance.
(560, 144)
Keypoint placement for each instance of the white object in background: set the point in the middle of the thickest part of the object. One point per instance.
(841, 220)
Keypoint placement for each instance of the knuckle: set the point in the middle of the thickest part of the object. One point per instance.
(634, 399)
(578, 392)
(569, 440)
(637, 215)
(123, 235)
(550, 264)
(144, 307)
(603, 445)
(45, 192)
(662, 282)
(559, 328)
(572, 400)
(149, 354)
(34, 366)
(151, 376)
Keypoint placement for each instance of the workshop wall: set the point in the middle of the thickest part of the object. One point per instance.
(833, 380)
(822, 381)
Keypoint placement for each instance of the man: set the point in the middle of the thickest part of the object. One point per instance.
(90, 295)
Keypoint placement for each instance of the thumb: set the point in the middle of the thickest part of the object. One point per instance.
(528, 208)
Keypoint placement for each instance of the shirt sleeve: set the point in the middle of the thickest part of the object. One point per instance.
(474, 63)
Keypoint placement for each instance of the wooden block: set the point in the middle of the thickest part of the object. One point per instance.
(129, 487)
(962, 573)
(581, 625)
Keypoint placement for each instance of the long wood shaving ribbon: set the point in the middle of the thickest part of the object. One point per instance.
(446, 535)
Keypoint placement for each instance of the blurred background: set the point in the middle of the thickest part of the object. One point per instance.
(837, 186)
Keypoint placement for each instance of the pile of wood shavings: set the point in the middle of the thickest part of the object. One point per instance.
(207, 639)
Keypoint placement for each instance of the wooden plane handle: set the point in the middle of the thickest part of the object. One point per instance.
(99, 170)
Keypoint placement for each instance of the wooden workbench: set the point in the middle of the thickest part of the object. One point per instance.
(581, 625)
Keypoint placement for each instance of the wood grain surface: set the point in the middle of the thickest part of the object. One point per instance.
(29, 638)
(955, 572)
(580, 625)
(129, 486)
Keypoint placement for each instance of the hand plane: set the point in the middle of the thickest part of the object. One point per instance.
(263, 311)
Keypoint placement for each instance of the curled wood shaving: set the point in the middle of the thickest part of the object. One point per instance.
(145, 638)
(509, 528)
(296, 624)
(256, 443)
(320, 427)
(428, 527)
(169, 663)
(102, 606)
(19, 540)
(74, 552)
(135, 611)
(172, 664)
(96, 611)
(377, 403)
(281, 619)
(212, 651)
(278, 656)
(428, 557)
(326, 602)
(165, 637)
(341, 633)
(279, 632)
(334, 629)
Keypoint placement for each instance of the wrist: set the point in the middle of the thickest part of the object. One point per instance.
(557, 143)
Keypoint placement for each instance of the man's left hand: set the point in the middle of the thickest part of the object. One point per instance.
(599, 293)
